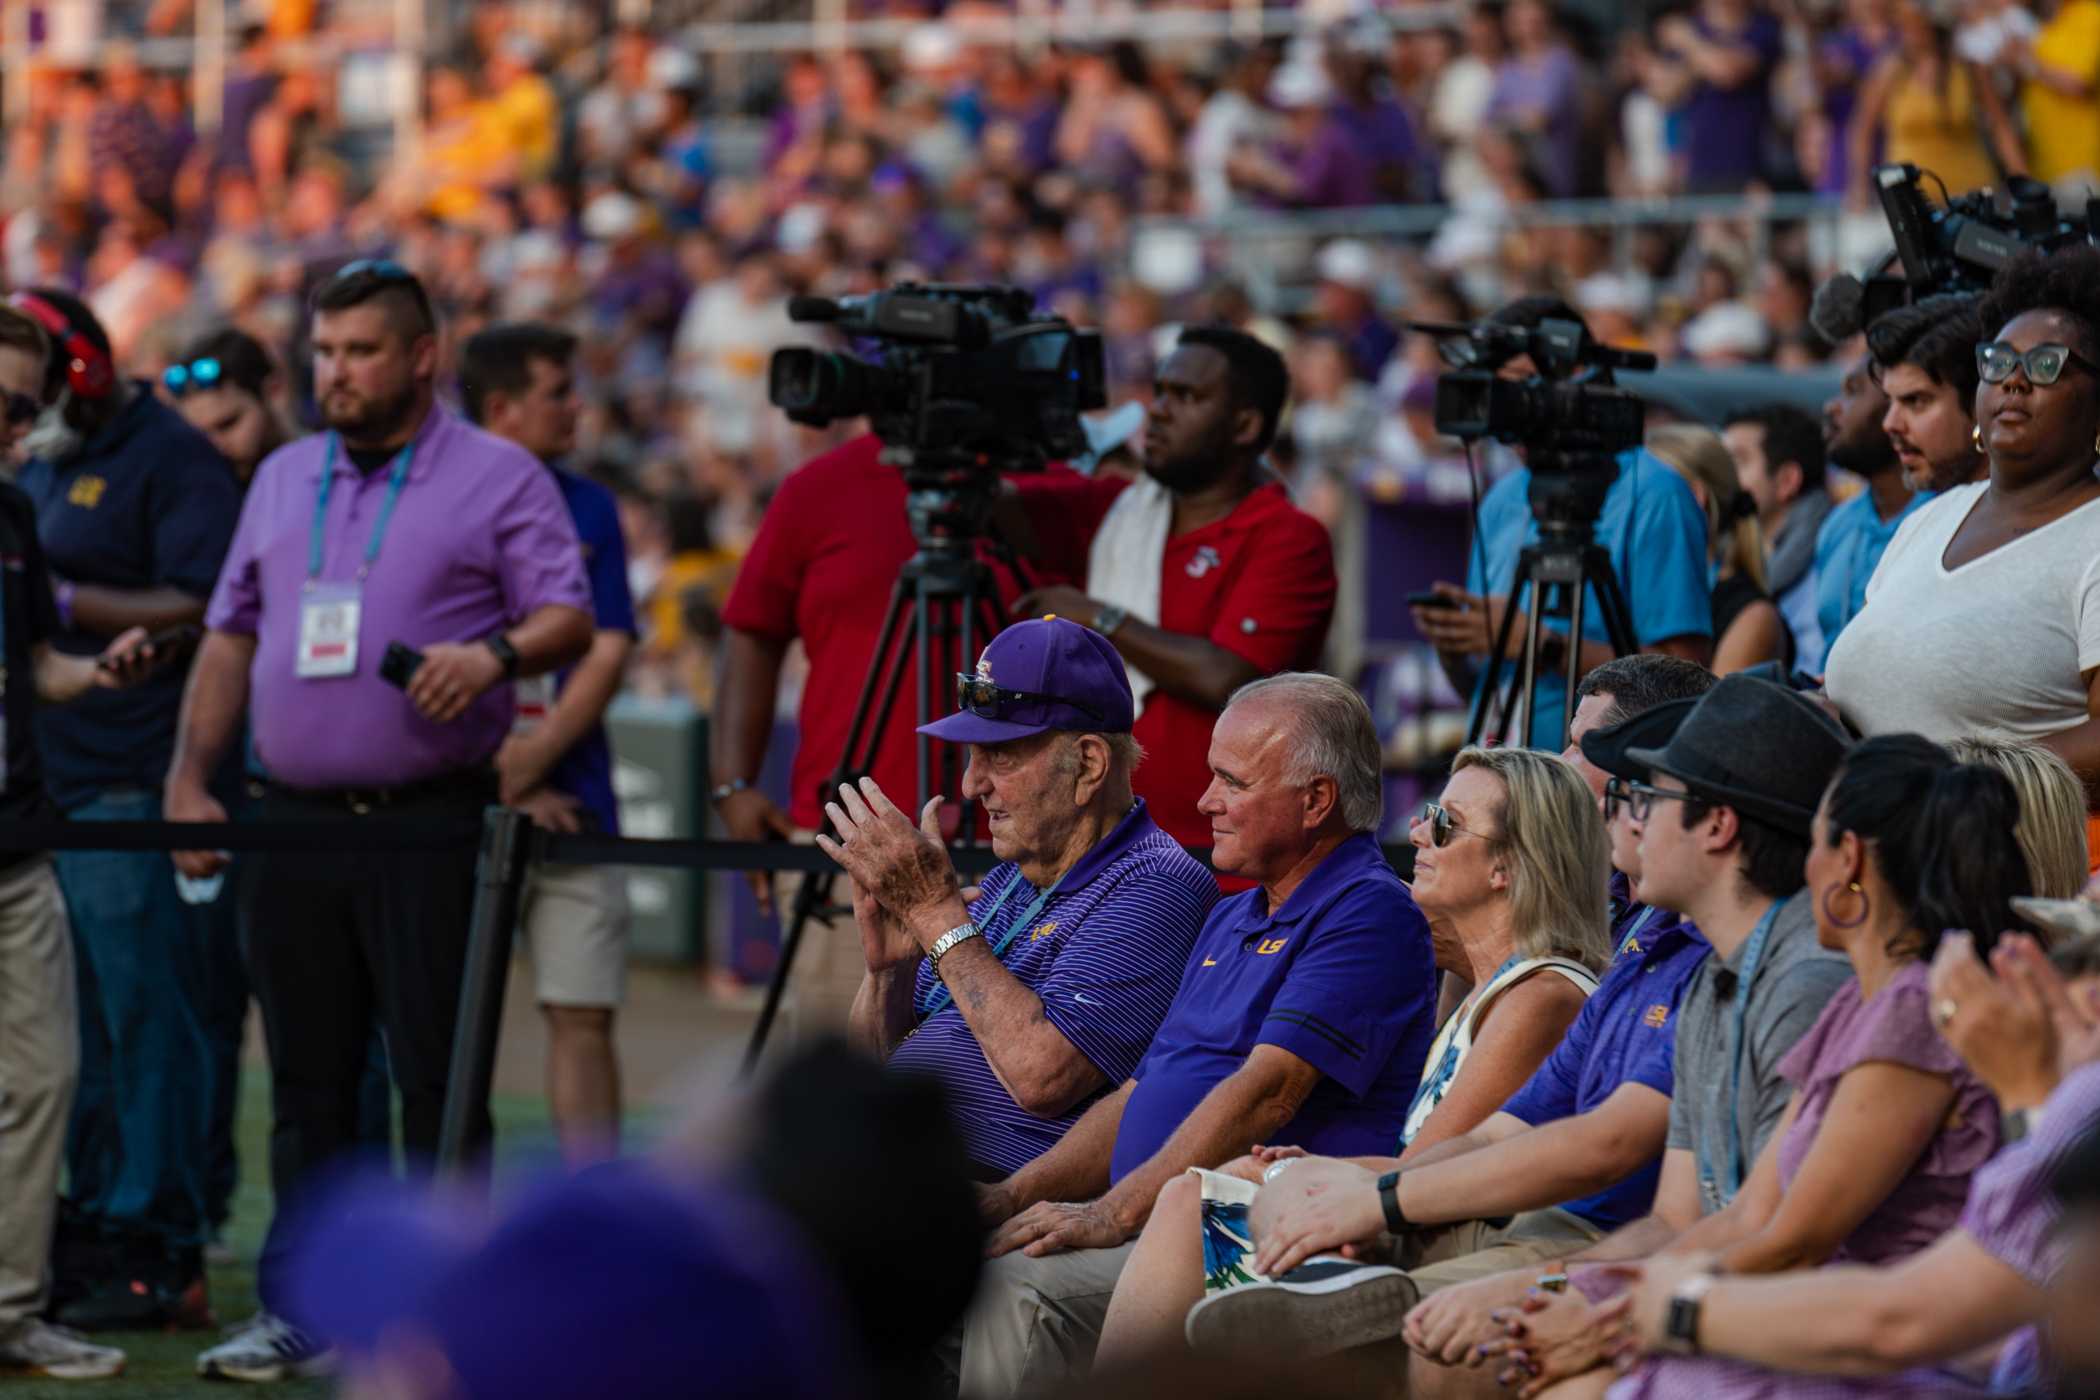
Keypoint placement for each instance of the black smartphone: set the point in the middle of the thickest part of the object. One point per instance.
(398, 666)
(1434, 600)
(170, 644)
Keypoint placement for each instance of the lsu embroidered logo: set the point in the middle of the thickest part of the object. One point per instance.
(1206, 559)
(1655, 1016)
(1270, 945)
(1631, 945)
(1044, 932)
(1210, 962)
(86, 492)
(984, 669)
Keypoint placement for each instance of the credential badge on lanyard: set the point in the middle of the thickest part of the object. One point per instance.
(330, 613)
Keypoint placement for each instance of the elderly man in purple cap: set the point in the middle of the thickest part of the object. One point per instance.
(1031, 1001)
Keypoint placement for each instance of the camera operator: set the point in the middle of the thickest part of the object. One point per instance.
(1652, 528)
(1857, 533)
(1984, 617)
(39, 1007)
(480, 570)
(1925, 358)
(1202, 573)
(134, 510)
(1778, 451)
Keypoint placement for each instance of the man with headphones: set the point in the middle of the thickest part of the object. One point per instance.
(134, 511)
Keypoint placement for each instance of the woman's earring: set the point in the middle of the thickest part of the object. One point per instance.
(1830, 917)
(1976, 436)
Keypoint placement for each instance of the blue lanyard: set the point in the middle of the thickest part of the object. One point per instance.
(1438, 1080)
(316, 538)
(1728, 1179)
(942, 996)
(1633, 934)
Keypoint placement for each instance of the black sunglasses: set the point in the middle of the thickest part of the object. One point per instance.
(184, 380)
(985, 699)
(1641, 798)
(22, 408)
(1442, 828)
(2044, 364)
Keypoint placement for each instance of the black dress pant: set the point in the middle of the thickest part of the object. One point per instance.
(333, 940)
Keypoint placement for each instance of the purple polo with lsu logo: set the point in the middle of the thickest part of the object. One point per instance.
(1340, 975)
(478, 541)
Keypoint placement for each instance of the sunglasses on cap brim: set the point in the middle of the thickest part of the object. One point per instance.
(988, 700)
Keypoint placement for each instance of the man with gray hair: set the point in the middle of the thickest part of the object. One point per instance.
(1304, 1015)
(1025, 1032)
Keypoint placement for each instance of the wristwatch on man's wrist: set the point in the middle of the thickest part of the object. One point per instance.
(505, 653)
(1681, 1323)
(722, 792)
(1108, 617)
(946, 942)
(1389, 1201)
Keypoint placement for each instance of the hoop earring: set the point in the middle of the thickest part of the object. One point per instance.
(2096, 444)
(1866, 907)
(1976, 436)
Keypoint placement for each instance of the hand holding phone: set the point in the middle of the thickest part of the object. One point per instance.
(398, 666)
(1430, 598)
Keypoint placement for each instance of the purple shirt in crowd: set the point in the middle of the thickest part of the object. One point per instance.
(479, 541)
(1543, 99)
(1724, 128)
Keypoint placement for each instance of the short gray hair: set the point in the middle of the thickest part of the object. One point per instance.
(1333, 736)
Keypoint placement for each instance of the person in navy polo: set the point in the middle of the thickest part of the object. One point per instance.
(1304, 1015)
(1044, 992)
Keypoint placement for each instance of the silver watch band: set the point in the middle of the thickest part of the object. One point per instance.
(961, 933)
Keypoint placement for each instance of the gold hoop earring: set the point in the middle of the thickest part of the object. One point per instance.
(1976, 436)
(2096, 444)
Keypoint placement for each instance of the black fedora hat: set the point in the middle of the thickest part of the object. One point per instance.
(1650, 729)
(1754, 746)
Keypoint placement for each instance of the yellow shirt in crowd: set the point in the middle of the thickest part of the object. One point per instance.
(2063, 133)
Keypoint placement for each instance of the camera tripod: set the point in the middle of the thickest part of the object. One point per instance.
(1567, 494)
(943, 601)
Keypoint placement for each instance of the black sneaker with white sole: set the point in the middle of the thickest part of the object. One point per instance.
(266, 1349)
(1321, 1307)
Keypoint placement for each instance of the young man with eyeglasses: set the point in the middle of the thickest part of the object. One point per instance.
(1042, 995)
(134, 511)
(400, 523)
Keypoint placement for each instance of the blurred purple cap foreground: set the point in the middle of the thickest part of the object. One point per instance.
(615, 1281)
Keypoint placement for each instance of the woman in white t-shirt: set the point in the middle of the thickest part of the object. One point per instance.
(1984, 615)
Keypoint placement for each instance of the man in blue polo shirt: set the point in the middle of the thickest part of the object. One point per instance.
(1856, 534)
(516, 381)
(1031, 1002)
(1304, 1015)
(1573, 1155)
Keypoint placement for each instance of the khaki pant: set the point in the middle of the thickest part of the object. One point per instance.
(1437, 1259)
(1034, 1323)
(39, 1066)
(828, 967)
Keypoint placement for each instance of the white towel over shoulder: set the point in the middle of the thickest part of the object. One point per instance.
(1124, 564)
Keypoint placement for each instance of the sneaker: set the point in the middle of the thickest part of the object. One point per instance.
(265, 1349)
(1321, 1307)
(39, 1349)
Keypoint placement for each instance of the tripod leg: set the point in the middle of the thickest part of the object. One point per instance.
(1488, 697)
(1572, 661)
(815, 889)
(924, 708)
(1611, 601)
(1533, 621)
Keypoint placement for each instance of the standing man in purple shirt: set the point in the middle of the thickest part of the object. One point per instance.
(1304, 1015)
(1027, 1033)
(400, 523)
(1719, 63)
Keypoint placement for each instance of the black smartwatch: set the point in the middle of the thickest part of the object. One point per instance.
(1389, 1200)
(1681, 1323)
(505, 653)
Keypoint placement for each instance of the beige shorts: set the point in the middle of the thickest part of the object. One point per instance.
(575, 925)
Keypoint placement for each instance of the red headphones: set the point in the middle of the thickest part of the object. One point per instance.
(89, 373)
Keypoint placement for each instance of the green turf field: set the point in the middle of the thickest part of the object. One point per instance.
(165, 1364)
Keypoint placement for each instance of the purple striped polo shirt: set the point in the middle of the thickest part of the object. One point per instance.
(1104, 953)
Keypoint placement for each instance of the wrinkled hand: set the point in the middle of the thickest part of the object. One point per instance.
(2019, 1031)
(905, 867)
(188, 803)
(1448, 1326)
(125, 661)
(550, 810)
(522, 764)
(884, 942)
(1317, 1206)
(453, 675)
(750, 815)
(1052, 1227)
(1546, 1339)
(1059, 598)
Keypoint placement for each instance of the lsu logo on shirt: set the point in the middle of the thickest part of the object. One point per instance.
(1631, 945)
(1270, 946)
(1044, 932)
(86, 492)
(1655, 1016)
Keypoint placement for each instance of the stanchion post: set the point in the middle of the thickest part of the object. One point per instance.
(499, 889)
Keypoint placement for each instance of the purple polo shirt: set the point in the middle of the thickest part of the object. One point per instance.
(479, 540)
(1340, 975)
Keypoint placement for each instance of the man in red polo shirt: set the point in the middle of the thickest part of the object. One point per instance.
(1202, 573)
(821, 570)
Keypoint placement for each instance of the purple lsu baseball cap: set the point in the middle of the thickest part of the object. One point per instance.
(1059, 675)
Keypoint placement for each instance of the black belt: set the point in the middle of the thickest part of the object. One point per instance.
(475, 784)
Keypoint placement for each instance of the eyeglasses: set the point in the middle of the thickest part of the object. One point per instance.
(1641, 798)
(1616, 794)
(22, 408)
(1442, 828)
(203, 373)
(2044, 364)
(986, 700)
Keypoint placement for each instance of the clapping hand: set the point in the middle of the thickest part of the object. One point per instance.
(904, 867)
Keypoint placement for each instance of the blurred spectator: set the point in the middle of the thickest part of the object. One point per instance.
(1538, 93)
(1929, 107)
(1232, 116)
(1925, 357)
(1748, 630)
(1345, 305)
(1856, 534)
(226, 385)
(1719, 61)
(1845, 55)
(1778, 451)
(134, 511)
(1113, 128)
(2060, 95)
